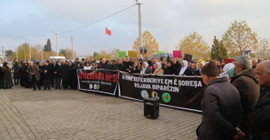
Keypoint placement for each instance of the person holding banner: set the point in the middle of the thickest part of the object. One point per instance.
(185, 70)
(198, 71)
(127, 64)
(221, 107)
(145, 69)
(136, 68)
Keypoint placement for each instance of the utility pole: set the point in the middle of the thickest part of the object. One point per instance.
(140, 25)
(55, 35)
(72, 47)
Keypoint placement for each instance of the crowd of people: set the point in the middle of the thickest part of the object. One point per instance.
(236, 102)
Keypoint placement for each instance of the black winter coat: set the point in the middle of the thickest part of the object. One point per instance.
(222, 109)
(64, 72)
(261, 128)
(55, 70)
(249, 91)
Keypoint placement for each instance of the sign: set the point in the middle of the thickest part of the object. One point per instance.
(173, 91)
(100, 81)
(160, 52)
(199, 61)
(132, 54)
(177, 54)
(122, 54)
(226, 60)
(247, 53)
(143, 50)
(188, 57)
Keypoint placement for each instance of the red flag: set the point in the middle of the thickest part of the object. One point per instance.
(107, 31)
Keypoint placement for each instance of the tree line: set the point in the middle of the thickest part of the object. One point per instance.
(237, 38)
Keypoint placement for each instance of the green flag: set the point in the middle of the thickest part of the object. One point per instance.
(122, 54)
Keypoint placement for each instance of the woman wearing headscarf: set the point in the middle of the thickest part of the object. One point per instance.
(226, 69)
(185, 70)
(160, 69)
(145, 69)
(6, 76)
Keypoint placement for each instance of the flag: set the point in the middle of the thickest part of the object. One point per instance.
(107, 31)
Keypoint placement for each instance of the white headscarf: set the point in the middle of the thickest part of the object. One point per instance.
(143, 69)
(158, 64)
(183, 69)
(226, 69)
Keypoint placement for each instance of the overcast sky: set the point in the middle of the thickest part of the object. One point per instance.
(34, 21)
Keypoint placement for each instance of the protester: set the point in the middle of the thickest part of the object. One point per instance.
(226, 69)
(127, 64)
(176, 65)
(46, 70)
(56, 74)
(160, 69)
(41, 81)
(155, 67)
(145, 69)
(64, 74)
(254, 63)
(114, 65)
(120, 65)
(136, 68)
(72, 76)
(16, 73)
(221, 107)
(193, 68)
(249, 90)
(198, 71)
(1, 77)
(103, 64)
(24, 81)
(185, 70)
(87, 66)
(261, 124)
(6, 76)
(169, 70)
(34, 75)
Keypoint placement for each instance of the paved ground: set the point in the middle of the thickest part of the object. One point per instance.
(65, 114)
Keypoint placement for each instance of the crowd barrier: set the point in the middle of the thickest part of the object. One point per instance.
(174, 91)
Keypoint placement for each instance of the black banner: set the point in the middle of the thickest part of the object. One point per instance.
(173, 91)
(101, 81)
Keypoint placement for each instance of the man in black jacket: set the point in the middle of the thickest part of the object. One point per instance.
(127, 64)
(249, 90)
(261, 128)
(47, 75)
(64, 74)
(55, 74)
(103, 64)
(221, 107)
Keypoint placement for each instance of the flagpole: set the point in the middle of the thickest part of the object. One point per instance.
(105, 41)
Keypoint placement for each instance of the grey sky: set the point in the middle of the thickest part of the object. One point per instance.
(169, 21)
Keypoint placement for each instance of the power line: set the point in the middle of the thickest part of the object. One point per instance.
(78, 28)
